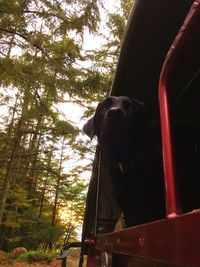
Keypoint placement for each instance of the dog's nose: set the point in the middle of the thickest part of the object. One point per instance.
(115, 113)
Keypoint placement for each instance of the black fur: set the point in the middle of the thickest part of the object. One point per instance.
(121, 126)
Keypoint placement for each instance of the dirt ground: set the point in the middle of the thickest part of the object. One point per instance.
(23, 264)
(71, 262)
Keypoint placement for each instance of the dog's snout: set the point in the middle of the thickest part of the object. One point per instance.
(115, 113)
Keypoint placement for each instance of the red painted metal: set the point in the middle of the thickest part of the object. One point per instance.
(172, 240)
(91, 261)
(89, 242)
(93, 258)
(172, 199)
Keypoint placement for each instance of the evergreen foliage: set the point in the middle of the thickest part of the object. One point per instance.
(43, 63)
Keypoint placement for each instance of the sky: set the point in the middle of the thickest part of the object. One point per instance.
(90, 42)
(74, 112)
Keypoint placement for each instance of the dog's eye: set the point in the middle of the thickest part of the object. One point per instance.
(108, 101)
(106, 104)
(129, 106)
(104, 108)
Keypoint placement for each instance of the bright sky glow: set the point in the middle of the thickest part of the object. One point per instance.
(73, 112)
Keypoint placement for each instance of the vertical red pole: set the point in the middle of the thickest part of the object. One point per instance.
(172, 199)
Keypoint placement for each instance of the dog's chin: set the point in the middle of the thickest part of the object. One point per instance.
(116, 147)
(113, 127)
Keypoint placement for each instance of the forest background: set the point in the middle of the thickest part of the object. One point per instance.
(46, 69)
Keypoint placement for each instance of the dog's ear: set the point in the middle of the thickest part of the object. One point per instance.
(88, 128)
(92, 126)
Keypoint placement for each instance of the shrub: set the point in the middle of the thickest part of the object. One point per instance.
(18, 251)
(36, 256)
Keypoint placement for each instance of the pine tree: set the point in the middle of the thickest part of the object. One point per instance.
(42, 64)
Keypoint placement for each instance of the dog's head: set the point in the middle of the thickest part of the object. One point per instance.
(118, 118)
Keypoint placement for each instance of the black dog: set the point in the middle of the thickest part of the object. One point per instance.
(121, 126)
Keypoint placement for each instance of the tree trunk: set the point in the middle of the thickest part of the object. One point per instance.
(45, 186)
(11, 161)
(7, 178)
(54, 212)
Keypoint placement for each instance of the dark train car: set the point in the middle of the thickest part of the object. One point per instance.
(159, 64)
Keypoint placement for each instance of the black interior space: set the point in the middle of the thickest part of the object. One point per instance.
(184, 95)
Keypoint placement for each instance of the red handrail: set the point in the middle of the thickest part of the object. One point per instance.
(171, 192)
(172, 199)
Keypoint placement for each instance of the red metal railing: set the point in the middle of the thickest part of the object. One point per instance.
(172, 199)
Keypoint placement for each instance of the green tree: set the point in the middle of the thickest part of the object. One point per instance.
(104, 60)
(43, 64)
(41, 43)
